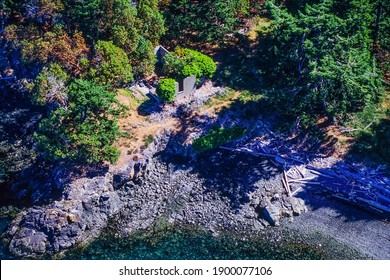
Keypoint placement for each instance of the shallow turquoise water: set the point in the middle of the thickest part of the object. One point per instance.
(181, 243)
(190, 244)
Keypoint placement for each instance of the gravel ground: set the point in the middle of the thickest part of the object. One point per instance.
(194, 197)
(356, 228)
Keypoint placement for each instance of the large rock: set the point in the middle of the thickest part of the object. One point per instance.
(297, 205)
(29, 242)
(137, 167)
(294, 206)
(81, 214)
(272, 213)
(83, 211)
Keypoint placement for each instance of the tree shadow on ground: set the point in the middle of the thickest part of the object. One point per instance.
(234, 176)
(366, 198)
(149, 106)
(356, 190)
(374, 146)
(231, 175)
(336, 208)
(237, 67)
(367, 183)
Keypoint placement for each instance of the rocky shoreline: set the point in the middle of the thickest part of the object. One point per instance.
(249, 197)
(219, 191)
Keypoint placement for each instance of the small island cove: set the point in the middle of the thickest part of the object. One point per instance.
(208, 146)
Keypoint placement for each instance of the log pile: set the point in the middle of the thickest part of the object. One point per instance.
(355, 184)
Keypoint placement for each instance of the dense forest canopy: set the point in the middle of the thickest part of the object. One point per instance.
(330, 59)
(197, 22)
(322, 58)
(76, 53)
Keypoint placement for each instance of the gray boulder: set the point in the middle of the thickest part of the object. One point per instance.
(81, 214)
(272, 213)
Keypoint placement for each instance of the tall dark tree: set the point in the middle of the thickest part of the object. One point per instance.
(192, 22)
(381, 31)
(320, 60)
(83, 15)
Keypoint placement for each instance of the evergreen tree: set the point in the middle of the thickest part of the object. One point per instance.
(152, 21)
(143, 58)
(112, 66)
(83, 15)
(193, 22)
(381, 31)
(83, 131)
(320, 61)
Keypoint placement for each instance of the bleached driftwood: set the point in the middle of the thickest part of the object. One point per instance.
(277, 158)
(287, 186)
(349, 186)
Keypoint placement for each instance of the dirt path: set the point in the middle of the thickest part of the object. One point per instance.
(139, 129)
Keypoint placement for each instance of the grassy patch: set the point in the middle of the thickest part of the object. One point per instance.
(234, 100)
(248, 105)
(216, 137)
(148, 140)
(228, 95)
(247, 96)
(134, 102)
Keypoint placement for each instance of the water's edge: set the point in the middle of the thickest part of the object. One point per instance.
(223, 203)
(187, 242)
(195, 243)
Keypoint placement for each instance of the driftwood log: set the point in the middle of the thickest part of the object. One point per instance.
(338, 180)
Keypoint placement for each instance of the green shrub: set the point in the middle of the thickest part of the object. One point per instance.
(185, 62)
(166, 89)
(216, 137)
(191, 69)
(202, 63)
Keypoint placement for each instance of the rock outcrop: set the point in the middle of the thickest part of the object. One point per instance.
(81, 214)
(83, 211)
(219, 191)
